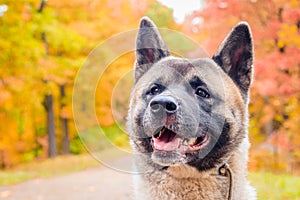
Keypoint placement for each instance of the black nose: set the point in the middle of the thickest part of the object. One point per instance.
(163, 103)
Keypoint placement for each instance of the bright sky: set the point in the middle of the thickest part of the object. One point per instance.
(182, 7)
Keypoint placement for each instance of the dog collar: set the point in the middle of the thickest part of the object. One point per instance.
(224, 170)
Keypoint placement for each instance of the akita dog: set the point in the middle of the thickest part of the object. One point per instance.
(188, 119)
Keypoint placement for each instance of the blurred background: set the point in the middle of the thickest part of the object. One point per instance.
(43, 44)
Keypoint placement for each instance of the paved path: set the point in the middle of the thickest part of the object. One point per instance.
(98, 183)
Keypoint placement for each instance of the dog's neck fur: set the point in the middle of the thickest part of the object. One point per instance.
(186, 182)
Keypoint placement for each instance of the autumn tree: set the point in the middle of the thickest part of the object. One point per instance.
(37, 56)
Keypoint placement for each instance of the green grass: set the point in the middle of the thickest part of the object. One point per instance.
(269, 186)
(275, 187)
(47, 168)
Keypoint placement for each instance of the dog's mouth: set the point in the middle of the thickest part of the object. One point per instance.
(167, 140)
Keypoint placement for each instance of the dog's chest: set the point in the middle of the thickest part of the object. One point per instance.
(170, 186)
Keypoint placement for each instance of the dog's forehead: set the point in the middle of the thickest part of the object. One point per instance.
(181, 65)
(174, 67)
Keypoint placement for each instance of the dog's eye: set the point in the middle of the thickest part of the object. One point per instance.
(201, 92)
(154, 90)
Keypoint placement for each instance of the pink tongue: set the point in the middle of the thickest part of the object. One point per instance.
(166, 142)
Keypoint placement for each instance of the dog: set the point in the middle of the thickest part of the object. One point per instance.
(188, 119)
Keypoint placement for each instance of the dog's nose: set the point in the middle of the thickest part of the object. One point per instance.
(163, 103)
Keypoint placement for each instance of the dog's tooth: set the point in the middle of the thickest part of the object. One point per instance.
(183, 146)
(160, 132)
(185, 142)
(192, 141)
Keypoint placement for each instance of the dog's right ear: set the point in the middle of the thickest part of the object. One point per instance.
(150, 47)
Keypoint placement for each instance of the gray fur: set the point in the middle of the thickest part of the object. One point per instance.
(235, 56)
(150, 47)
(221, 116)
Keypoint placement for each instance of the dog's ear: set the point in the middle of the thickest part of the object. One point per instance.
(235, 56)
(150, 47)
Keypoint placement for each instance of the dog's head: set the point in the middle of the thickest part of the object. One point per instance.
(191, 111)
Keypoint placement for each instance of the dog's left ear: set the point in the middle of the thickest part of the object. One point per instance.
(235, 56)
(150, 47)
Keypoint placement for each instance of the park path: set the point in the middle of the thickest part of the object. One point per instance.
(99, 183)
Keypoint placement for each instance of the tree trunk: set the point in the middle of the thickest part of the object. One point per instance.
(2, 160)
(42, 6)
(64, 123)
(65, 139)
(45, 42)
(48, 104)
